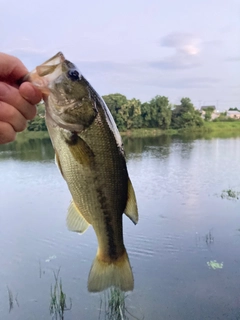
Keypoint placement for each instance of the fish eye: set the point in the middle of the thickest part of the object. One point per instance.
(73, 75)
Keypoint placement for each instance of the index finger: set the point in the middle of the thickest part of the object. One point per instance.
(11, 68)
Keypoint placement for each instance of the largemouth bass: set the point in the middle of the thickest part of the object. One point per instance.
(90, 156)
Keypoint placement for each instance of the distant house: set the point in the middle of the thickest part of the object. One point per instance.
(233, 114)
(203, 108)
(214, 115)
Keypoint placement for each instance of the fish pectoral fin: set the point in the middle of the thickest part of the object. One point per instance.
(80, 150)
(131, 209)
(75, 220)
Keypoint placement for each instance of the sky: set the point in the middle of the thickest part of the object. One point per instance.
(139, 48)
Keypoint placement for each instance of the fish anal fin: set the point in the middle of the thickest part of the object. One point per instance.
(106, 274)
(131, 209)
(75, 220)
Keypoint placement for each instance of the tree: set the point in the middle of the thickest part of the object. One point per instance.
(131, 113)
(115, 103)
(185, 115)
(208, 116)
(146, 114)
(156, 113)
(233, 109)
(160, 112)
(38, 123)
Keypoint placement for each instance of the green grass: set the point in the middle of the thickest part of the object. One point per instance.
(222, 126)
(114, 306)
(209, 237)
(212, 129)
(58, 304)
(143, 132)
(26, 135)
(11, 299)
(147, 132)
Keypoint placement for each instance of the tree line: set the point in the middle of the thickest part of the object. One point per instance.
(132, 114)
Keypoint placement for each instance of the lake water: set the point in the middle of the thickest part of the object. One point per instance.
(184, 225)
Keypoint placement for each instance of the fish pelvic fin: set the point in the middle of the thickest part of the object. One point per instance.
(115, 273)
(75, 220)
(131, 209)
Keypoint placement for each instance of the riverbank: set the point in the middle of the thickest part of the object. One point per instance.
(219, 126)
(214, 128)
(147, 132)
(143, 132)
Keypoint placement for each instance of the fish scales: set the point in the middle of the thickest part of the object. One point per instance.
(110, 181)
(91, 159)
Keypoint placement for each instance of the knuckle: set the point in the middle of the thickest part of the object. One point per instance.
(7, 112)
(11, 114)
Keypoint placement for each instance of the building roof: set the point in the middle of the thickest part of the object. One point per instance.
(206, 107)
(233, 112)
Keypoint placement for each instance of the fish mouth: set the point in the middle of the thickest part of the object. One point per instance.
(45, 73)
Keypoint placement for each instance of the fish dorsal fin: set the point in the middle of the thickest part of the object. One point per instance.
(75, 220)
(131, 209)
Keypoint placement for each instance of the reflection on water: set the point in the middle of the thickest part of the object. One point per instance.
(184, 230)
(28, 150)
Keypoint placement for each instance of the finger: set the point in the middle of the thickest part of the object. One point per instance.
(12, 97)
(11, 68)
(11, 115)
(31, 94)
(7, 133)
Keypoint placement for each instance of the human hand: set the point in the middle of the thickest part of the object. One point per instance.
(17, 103)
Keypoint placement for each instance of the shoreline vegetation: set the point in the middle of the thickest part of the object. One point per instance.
(211, 129)
(154, 118)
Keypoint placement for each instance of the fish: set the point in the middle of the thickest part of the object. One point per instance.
(90, 156)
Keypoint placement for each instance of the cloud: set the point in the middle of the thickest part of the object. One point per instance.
(141, 73)
(93, 67)
(145, 73)
(30, 56)
(233, 59)
(177, 61)
(187, 48)
(183, 42)
(181, 83)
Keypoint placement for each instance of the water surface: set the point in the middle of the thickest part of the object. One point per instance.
(178, 182)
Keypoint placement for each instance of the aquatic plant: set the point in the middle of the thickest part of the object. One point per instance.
(115, 305)
(213, 264)
(230, 194)
(209, 237)
(10, 299)
(58, 304)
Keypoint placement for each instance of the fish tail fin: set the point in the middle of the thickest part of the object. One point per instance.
(106, 274)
